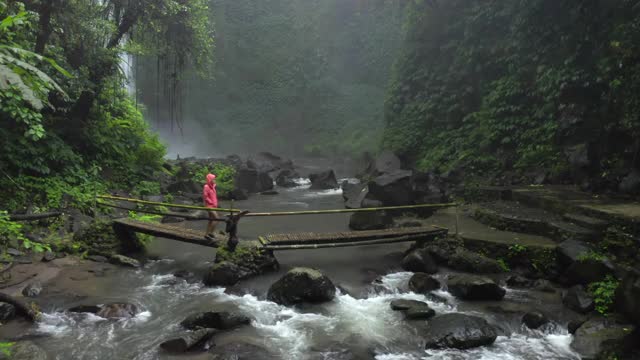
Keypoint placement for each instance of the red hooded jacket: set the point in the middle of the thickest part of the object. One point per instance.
(209, 193)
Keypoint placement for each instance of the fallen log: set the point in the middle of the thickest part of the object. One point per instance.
(31, 313)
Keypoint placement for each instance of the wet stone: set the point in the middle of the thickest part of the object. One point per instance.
(402, 304)
(534, 320)
(7, 311)
(33, 289)
(124, 261)
(48, 256)
(98, 258)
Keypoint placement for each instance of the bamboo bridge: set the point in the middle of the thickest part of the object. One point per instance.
(290, 241)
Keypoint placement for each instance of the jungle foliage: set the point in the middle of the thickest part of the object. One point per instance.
(67, 124)
(520, 85)
(290, 76)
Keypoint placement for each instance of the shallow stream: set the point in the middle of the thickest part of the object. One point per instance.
(358, 325)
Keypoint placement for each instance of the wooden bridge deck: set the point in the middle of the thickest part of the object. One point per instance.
(167, 231)
(306, 240)
(311, 240)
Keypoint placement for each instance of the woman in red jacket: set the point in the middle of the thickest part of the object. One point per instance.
(210, 197)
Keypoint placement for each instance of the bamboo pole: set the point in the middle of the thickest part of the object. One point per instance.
(282, 213)
(181, 215)
(405, 238)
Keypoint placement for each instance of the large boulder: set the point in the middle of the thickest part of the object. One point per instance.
(583, 265)
(101, 237)
(628, 294)
(323, 180)
(630, 184)
(386, 162)
(302, 285)
(422, 283)
(245, 262)
(354, 194)
(265, 182)
(246, 179)
(267, 162)
(472, 287)
(534, 320)
(7, 311)
(465, 260)
(419, 260)
(577, 299)
(286, 178)
(215, 320)
(393, 188)
(602, 338)
(370, 220)
(458, 331)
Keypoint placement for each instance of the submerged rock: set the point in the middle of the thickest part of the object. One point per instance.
(422, 283)
(302, 285)
(602, 338)
(577, 299)
(465, 260)
(403, 304)
(245, 262)
(118, 311)
(534, 320)
(189, 341)
(215, 320)
(458, 331)
(323, 180)
(420, 260)
(471, 287)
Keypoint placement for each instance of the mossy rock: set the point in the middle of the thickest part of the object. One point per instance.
(246, 261)
(104, 238)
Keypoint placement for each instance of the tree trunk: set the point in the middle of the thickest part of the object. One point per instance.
(46, 9)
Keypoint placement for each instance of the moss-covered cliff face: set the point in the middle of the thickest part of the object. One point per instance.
(494, 86)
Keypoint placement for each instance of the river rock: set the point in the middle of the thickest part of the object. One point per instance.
(630, 184)
(124, 261)
(534, 320)
(627, 295)
(239, 194)
(26, 350)
(189, 341)
(422, 283)
(582, 264)
(472, 287)
(458, 331)
(97, 258)
(215, 320)
(577, 299)
(354, 194)
(370, 220)
(241, 351)
(393, 188)
(600, 337)
(32, 290)
(118, 311)
(268, 162)
(323, 180)
(386, 162)
(246, 179)
(404, 304)
(468, 261)
(419, 260)
(442, 250)
(286, 178)
(265, 182)
(419, 313)
(519, 281)
(302, 285)
(245, 262)
(7, 311)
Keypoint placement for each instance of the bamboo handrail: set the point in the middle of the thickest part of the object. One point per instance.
(281, 213)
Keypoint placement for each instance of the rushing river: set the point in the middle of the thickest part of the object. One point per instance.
(358, 325)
